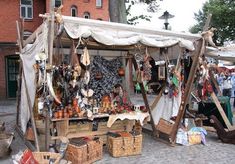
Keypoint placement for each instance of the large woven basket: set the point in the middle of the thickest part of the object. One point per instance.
(47, 157)
(125, 146)
(85, 154)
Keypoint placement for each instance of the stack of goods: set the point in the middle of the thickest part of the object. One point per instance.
(124, 144)
(84, 150)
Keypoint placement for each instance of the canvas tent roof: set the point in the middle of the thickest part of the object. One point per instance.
(225, 53)
(110, 33)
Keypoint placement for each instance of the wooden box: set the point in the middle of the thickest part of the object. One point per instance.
(164, 126)
(125, 146)
(85, 154)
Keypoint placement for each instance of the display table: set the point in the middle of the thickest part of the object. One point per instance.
(209, 108)
(138, 116)
(98, 125)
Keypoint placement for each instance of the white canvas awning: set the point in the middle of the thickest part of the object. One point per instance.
(109, 33)
(224, 53)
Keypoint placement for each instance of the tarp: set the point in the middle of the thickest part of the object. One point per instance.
(109, 33)
(28, 58)
(223, 53)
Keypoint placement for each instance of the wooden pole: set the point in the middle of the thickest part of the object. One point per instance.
(19, 80)
(215, 83)
(145, 99)
(157, 98)
(31, 114)
(19, 40)
(221, 111)
(51, 31)
(50, 51)
(188, 88)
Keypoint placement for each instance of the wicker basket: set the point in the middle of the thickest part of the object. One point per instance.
(125, 146)
(164, 126)
(47, 157)
(85, 154)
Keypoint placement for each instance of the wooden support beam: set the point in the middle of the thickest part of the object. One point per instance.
(215, 83)
(30, 105)
(19, 36)
(27, 93)
(32, 37)
(145, 98)
(51, 31)
(26, 142)
(157, 98)
(221, 111)
(19, 80)
(199, 51)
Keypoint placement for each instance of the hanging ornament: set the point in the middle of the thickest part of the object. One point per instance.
(121, 71)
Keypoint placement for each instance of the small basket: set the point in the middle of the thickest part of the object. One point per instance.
(125, 146)
(164, 126)
(85, 154)
(47, 157)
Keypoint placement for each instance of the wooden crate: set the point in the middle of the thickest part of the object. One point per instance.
(164, 126)
(125, 146)
(80, 127)
(85, 154)
(47, 157)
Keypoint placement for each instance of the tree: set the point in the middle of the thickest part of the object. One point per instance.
(223, 19)
(118, 11)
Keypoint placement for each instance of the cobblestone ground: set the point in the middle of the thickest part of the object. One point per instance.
(153, 151)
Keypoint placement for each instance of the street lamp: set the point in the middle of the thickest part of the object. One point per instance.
(166, 15)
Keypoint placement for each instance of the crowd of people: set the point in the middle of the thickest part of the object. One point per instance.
(226, 83)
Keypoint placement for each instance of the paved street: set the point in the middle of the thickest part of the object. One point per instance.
(153, 151)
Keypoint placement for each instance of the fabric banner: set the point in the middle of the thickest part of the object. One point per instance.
(109, 33)
(28, 60)
(110, 77)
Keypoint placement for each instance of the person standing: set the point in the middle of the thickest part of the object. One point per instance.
(227, 86)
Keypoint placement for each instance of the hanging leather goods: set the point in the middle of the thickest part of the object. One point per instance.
(59, 20)
(86, 77)
(139, 76)
(87, 93)
(50, 87)
(85, 59)
(74, 58)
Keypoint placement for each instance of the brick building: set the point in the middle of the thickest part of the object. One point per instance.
(13, 10)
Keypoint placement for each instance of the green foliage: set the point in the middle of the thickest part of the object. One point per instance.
(223, 19)
(152, 7)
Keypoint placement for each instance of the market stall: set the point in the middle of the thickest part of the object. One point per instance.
(86, 77)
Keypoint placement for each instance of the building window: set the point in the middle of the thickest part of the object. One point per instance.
(26, 9)
(86, 15)
(99, 3)
(58, 3)
(74, 11)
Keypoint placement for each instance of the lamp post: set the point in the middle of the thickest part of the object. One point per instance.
(166, 15)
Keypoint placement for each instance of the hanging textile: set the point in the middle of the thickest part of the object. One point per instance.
(109, 70)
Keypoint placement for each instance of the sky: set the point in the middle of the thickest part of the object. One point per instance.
(183, 10)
